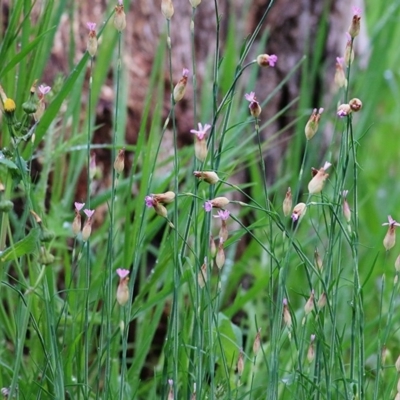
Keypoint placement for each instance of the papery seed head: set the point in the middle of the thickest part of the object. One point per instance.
(257, 342)
(194, 3)
(209, 176)
(355, 104)
(240, 363)
(265, 60)
(164, 198)
(299, 211)
(119, 18)
(167, 8)
(220, 202)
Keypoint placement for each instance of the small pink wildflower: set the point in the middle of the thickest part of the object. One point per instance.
(89, 213)
(43, 89)
(207, 206)
(91, 26)
(272, 60)
(254, 106)
(391, 222)
(201, 133)
(250, 97)
(390, 237)
(149, 200)
(185, 72)
(357, 11)
(78, 206)
(340, 61)
(122, 273)
(223, 214)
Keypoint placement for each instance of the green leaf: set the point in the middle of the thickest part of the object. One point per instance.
(27, 245)
(8, 163)
(231, 339)
(23, 53)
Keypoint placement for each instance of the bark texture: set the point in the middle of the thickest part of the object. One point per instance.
(293, 27)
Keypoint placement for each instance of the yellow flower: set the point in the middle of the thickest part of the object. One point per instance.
(9, 105)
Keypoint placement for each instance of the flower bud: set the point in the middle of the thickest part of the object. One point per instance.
(265, 60)
(45, 257)
(322, 301)
(92, 39)
(397, 265)
(287, 202)
(312, 125)
(317, 259)
(390, 237)
(200, 149)
(397, 364)
(160, 210)
(340, 77)
(76, 224)
(119, 18)
(29, 107)
(119, 162)
(167, 8)
(220, 257)
(194, 3)
(346, 207)
(202, 275)
(298, 212)
(180, 87)
(219, 202)
(309, 304)
(355, 104)
(9, 106)
(287, 318)
(354, 28)
(344, 110)
(209, 176)
(240, 363)
(349, 51)
(46, 235)
(87, 228)
(123, 289)
(86, 231)
(255, 109)
(317, 182)
(6, 206)
(213, 247)
(164, 198)
(257, 342)
(311, 350)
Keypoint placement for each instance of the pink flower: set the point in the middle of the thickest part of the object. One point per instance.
(89, 213)
(91, 26)
(357, 11)
(43, 89)
(149, 201)
(340, 61)
(272, 60)
(250, 97)
(78, 206)
(254, 106)
(185, 72)
(122, 273)
(391, 222)
(207, 206)
(223, 214)
(201, 133)
(120, 2)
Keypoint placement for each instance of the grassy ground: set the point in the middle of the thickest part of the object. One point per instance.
(133, 300)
